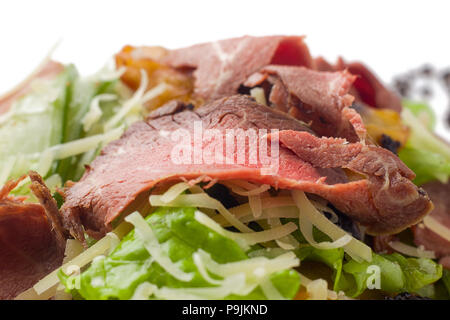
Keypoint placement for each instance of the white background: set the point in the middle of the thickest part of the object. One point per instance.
(390, 36)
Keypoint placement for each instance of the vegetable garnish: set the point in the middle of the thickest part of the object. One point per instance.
(425, 153)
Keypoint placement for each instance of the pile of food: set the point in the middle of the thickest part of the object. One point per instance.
(238, 169)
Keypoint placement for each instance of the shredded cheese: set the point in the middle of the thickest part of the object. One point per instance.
(411, 251)
(255, 268)
(73, 248)
(202, 270)
(45, 162)
(258, 94)
(270, 206)
(201, 200)
(130, 104)
(356, 249)
(95, 113)
(73, 148)
(79, 146)
(437, 227)
(152, 245)
(288, 242)
(331, 295)
(334, 218)
(99, 248)
(270, 291)
(247, 239)
(144, 291)
(174, 192)
(244, 188)
(317, 290)
(306, 229)
(255, 205)
(256, 271)
(233, 284)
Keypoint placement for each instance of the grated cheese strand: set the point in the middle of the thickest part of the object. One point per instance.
(411, 251)
(437, 227)
(95, 113)
(130, 104)
(84, 258)
(247, 239)
(174, 191)
(356, 249)
(145, 232)
(201, 200)
(306, 229)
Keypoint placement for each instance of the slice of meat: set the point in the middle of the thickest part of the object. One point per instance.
(29, 248)
(317, 98)
(392, 194)
(440, 195)
(50, 206)
(367, 88)
(386, 201)
(221, 67)
(46, 71)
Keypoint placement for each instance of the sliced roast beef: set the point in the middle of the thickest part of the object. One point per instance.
(218, 68)
(440, 195)
(367, 88)
(383, 198)
(392, 194)
(318, 98)
(29, 247)
(222, 66)
(282, 65)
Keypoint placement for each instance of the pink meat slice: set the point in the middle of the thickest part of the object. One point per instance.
(320, 99)
(439, 194)
(222, 66)
(29, 249)
(384, 199)
(367, 88)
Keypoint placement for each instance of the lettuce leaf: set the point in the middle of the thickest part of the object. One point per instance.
(33, 123)
(52, 114)
(424, 153)
(446, 279)
(81, 93)
(398, 274)
(180, 235)
(423, 112)
(333, 258)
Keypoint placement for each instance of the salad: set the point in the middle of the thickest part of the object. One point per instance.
(243, 168)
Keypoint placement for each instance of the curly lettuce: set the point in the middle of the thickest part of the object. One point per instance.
(180, 235)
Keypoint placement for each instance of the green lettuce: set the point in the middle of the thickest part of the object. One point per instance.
(446, 280)
(81, 93)
(52, 113)
(424, 153)
(398, 274)
(333, 258)
(180, 235)
(423, 112)
(33, 124)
